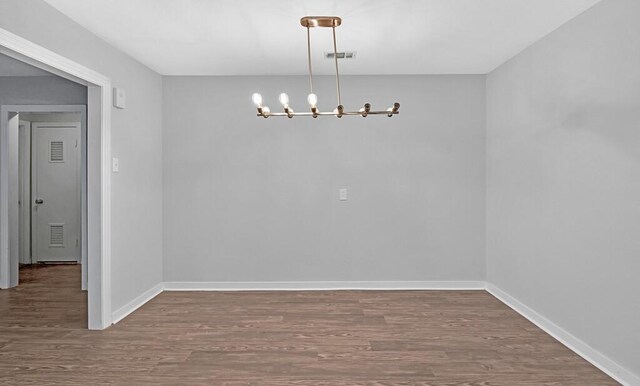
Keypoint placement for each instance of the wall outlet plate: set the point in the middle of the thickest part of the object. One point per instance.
(343, 194)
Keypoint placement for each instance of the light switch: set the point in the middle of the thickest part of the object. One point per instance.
(343, 194)
(116, 165)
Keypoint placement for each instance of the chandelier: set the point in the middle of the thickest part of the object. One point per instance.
(325, 22)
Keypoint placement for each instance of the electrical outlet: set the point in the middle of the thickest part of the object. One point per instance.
(343, 194)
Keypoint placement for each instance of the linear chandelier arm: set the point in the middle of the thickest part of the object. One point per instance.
(266, 114)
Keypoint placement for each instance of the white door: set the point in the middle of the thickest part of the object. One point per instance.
(13, 191)
(55, 198)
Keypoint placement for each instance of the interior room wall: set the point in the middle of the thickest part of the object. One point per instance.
(51, 117)
(563, 179)
(41, 90)
(136, 140)
(254, 199)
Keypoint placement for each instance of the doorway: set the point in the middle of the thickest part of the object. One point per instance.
(99, 94)
(48, 186)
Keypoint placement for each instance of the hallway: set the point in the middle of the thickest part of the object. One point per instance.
(48, 297)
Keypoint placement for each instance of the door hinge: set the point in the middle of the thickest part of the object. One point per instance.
(77, 242)
(76, 143)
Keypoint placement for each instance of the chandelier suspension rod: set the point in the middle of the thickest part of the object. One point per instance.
(335, 56)
(309, 60)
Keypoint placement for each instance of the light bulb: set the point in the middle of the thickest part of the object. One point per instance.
(284, 99)
(257, 99)
(312, 99)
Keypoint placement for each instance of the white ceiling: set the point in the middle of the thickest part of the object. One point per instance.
(12, 67)
(264, 37)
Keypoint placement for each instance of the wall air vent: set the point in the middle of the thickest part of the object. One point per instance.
(341, 55)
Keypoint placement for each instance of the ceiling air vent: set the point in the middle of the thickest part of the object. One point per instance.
(341, 55)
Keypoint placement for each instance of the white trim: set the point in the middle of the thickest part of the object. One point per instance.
(41, 55)
(590, 354)
(322, 285)
(136, 303)
(5, 264)
(99, 286)
(105, 204)
(24, 166)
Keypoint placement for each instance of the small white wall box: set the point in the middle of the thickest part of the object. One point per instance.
(119, 98)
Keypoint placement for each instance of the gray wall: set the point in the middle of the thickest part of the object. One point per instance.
(41, 90)
(136, 140)
(563, 161)
(254, 199)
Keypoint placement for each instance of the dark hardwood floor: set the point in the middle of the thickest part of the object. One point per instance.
(277, 338)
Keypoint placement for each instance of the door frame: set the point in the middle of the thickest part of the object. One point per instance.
(99, 94)
(24, 191)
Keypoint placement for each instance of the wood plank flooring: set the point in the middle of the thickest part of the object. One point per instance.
(277, 338)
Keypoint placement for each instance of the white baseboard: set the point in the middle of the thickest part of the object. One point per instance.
(323, 285)
(593, 356)
(136, 303)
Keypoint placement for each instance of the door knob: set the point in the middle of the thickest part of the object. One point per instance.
(39, 201)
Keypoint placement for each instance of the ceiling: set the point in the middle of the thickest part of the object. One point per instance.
(12, 67)
(264, 37)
